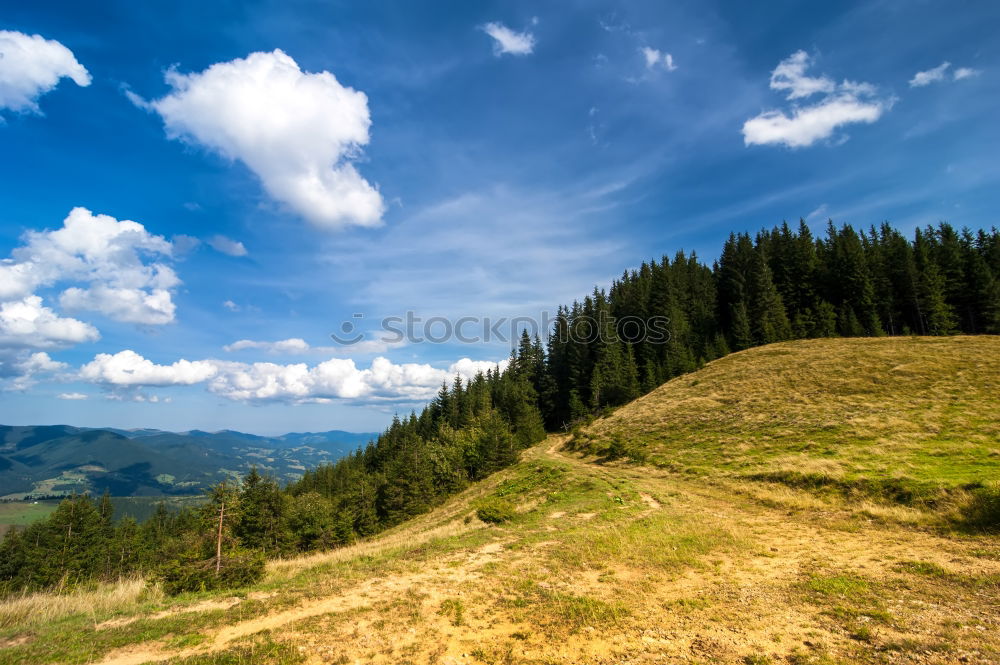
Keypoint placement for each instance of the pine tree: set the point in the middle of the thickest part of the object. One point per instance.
(261, 523)
(848, 282)
(768, 320)
(937, 317)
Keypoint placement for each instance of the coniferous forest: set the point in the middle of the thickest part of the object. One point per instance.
(664, 319)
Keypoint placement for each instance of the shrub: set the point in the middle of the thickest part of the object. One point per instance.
(983, 509)
(495, 511)
(189, 572)
(619, 449)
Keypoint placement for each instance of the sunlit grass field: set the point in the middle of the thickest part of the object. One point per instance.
(637, 547)
(911, 418)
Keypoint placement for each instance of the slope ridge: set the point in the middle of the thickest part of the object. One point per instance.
(924, 408)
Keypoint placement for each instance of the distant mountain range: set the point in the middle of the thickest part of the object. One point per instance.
(48, 460)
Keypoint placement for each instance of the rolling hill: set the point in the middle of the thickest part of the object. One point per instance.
(917, 417)
(60, 460)
(627, 543)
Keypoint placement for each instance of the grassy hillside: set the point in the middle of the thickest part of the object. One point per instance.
(21, 513)
(905, 414)
(608, 561)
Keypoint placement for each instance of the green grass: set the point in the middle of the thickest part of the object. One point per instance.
(560, 610)
(454, 609)
(912, 421)
(496, 511)
(261, 650)
(923, 568)
(660, 541)
(23, 513)
(844, 586)
(73, 639)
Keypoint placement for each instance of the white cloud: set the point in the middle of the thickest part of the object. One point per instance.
(847, 103)
(71, 396)
(110, 256)
(298, 346)
(129, 305)
(27, 368)
(26, 323)
(128, 368)
(299, 132)
(292, 345)
(506, 40)
(231, 306)
(337, 378)
(807, 125)
(656, 58)
(126, 372)
(790, 75)
(30, 66)
(920, 79)
(227, 246)
(965, 72)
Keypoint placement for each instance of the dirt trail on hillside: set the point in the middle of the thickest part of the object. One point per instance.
(450, 572)
(747, 601)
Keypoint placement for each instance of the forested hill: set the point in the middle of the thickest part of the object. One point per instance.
(666, 318)
(610, 348)
(59, 460)
(783, 284)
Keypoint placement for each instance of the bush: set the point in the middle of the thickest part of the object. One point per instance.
(189, 572)
(619, 449)
(495, 511)
(983, 510)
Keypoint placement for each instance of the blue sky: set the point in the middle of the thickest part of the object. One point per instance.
(449, 159)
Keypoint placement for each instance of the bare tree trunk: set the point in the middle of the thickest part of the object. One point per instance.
(218, 542)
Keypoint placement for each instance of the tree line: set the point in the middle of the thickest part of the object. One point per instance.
(661, 320)
(470, 430)
(781, 284)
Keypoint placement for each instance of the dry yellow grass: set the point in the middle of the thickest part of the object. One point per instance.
(41, 608)
(395, 541)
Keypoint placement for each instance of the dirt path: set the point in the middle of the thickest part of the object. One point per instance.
(757, 591)
(434, 583)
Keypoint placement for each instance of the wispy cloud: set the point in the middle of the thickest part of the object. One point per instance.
(509, 41)
(924, 78)
(227, 246)
(940, 74)
(965, 72)
(296, 346)
(516, 231)
(818, 213)
(790, 75)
